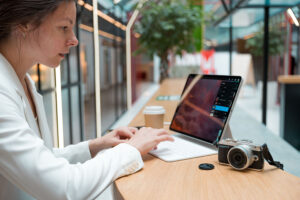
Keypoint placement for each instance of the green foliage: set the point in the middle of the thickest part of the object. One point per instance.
(167, 25)
(276, 42)
(198, 31)
(198, 38)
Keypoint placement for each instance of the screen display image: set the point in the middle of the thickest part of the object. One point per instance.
(205, 105)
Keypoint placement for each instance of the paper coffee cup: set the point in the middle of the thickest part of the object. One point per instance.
(154, 116)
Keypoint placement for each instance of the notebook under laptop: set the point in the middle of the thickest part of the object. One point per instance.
(201, 116)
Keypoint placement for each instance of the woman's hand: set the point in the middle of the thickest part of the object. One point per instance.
(115, 137)
(147, 139)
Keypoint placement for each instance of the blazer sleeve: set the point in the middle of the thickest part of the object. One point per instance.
(30, 165)
(74, 153)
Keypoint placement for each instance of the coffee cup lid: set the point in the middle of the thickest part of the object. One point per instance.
(154, 110)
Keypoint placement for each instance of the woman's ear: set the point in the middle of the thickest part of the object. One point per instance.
(23, 30)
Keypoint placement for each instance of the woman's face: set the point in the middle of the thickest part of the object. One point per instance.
(51, 41)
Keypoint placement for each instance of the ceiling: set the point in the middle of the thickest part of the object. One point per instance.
(246, 12)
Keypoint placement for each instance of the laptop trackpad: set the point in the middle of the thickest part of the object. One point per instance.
(182, 148)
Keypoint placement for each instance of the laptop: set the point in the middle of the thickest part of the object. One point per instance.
(201, 117)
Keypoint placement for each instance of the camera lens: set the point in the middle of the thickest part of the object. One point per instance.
(240, 157)
(237, 159)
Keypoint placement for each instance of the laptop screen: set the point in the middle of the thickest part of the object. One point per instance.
(205, 106)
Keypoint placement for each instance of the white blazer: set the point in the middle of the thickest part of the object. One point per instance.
(30, 167)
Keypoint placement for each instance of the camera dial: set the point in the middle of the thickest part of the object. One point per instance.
(230, 140)
(240, 157)
(245, 141)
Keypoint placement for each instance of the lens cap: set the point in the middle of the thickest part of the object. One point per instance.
(206, 166)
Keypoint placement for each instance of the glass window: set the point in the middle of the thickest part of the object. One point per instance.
(66, 117)
(76, 115)
(46, 77)
(64, 71)
(108, 90)
(88, 82)
(34, 75)
(73, 65)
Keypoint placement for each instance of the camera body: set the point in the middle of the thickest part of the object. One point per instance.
(240, 154)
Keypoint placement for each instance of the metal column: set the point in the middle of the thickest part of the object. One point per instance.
(230, 45)
(266, 63)
(298, 48)
(80, 96)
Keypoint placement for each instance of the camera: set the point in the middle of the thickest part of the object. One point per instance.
(240, 154)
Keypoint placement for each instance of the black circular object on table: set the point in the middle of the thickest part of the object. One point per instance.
(206, 166)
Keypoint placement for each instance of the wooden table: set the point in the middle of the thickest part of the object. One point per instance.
(183, 180)
(289, 79)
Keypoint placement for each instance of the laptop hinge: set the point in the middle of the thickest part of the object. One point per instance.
(227, 133)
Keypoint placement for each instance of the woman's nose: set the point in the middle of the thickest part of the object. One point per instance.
(72, 41)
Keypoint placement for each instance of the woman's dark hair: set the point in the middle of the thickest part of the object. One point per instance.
(21, 12)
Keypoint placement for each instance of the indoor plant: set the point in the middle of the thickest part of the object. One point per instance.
(255, 45)
(167, 26)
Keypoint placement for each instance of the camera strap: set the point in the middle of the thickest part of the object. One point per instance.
(267, 155)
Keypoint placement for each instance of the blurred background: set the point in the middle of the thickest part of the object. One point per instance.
(127, 47)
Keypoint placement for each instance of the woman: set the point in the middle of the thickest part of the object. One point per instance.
(41, 31)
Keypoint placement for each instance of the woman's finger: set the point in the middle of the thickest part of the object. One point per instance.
(133, 129)
(161, 132)
(125, 133)
(162, 138)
